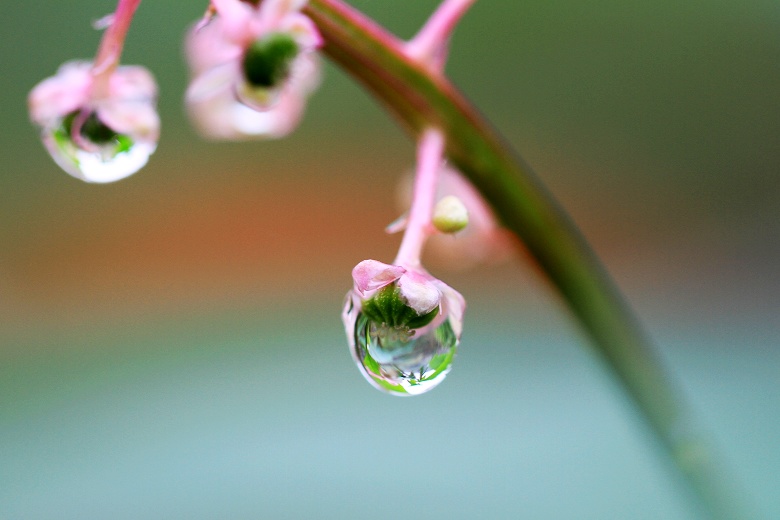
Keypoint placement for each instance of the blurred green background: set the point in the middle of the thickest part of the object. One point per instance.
(170, 345)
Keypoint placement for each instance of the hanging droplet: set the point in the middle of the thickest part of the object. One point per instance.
(400, 360)
(89, 150)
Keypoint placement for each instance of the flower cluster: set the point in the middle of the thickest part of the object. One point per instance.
(254, 64)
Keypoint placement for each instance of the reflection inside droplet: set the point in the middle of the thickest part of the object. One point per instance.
(95, 153)
(403, 361)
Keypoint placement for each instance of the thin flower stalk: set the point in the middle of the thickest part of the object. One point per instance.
(418, 226)
(111, 45)
(431, 42)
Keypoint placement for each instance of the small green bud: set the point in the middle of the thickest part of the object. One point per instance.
(267, 61)
(387, 307)
(450, 215)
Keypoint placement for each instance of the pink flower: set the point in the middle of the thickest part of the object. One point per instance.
(403, 326)
(97, 137)
(253, 68)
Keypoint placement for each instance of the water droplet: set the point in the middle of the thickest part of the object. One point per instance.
(400, 360)
(97, 154)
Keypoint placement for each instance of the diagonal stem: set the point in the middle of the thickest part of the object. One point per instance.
(420, 98)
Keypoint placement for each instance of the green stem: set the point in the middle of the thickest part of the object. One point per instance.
(420, 97)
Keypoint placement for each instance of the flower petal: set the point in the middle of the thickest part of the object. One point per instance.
(130, 107)
(272, 12)
(453, 306)
(236, 19)
(223, 117)
(370, 275)
(61, 94)
(303, 29)
(137, 119)
(213, 82)
(419, 292)
(133, 82)
(209, 46)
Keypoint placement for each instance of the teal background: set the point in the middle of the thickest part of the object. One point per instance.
(170, 345)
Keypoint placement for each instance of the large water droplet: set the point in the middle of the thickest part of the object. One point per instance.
(400, 360)
(98, 154)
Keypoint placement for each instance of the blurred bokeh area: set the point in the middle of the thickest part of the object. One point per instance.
(171, 348)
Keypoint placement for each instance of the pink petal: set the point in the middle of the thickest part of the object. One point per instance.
(305, 74)
(453, 306)
(61, 94)
(138, 119)
(209, 46)
(272, 12)
(223, 117)
(213, 82)
(133, 82)
(236, 19)
(370, 275)
(303, 29)
(419, 292)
